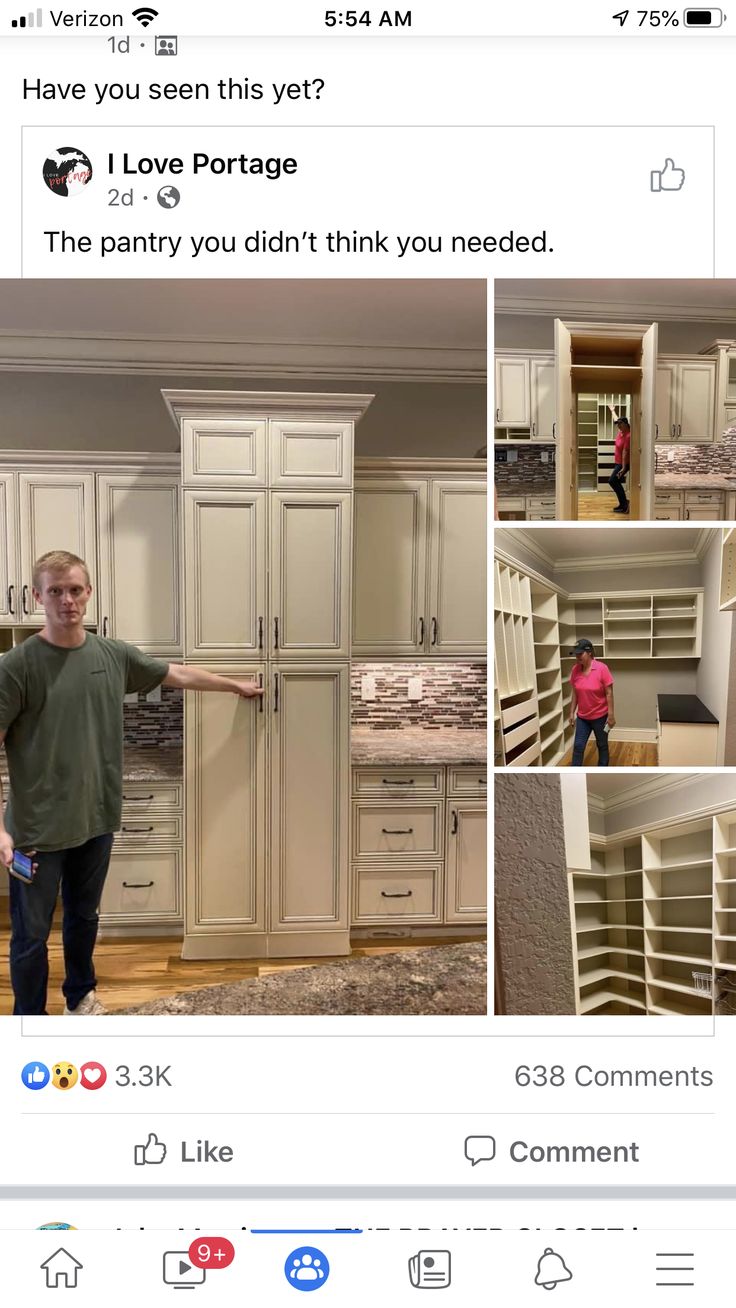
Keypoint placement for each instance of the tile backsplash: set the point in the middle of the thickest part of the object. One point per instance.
(155, 726)
(527, 470)
(719, 457)
(453, 695)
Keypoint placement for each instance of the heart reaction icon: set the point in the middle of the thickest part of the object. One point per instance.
(92, 1076)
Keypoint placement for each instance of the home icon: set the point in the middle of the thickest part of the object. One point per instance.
(61, 1271)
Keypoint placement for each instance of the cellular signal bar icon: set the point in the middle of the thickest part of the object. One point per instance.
(33, 20)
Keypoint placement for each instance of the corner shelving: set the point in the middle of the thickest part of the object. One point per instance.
(519, 742)
(546, 628)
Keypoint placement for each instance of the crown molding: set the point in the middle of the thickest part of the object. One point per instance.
(640, 790)
(94, 460)
(541, 306)
(201, 405)
(192, 357)
(626, 561)
(396, 467)
(519, 537)
(673, 782)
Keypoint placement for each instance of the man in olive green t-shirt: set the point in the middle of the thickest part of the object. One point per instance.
(61, 718)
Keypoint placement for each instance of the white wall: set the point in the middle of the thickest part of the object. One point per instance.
(536, 332)
(695, 793)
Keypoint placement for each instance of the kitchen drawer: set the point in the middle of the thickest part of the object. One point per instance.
(142, 885)
(667, 515)
(541, 502)
(467, 781)
(714, 497)
(409, 892)
(397, 783)
(532, 516)
(662, 498)
(141, 798)
(512, 504)
(397, 831)
(150, 830)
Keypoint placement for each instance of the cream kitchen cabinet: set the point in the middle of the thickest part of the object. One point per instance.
(466, 862)
(139, 550)
(309, 727)
(40, 511)
(307, 454)
(143, 889)
(543, 373)
(310, 574)
(419, 561)
(225, 572)
(513, 394)
(390, 566)
(226, 821)
(685, 400)
(224, 451)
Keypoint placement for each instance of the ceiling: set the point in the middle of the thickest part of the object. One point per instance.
(613, 785)
(713, 300)
(579, 544)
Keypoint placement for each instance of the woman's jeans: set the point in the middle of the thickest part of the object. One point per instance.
(617, 486)
(583, 728)
(81, 874)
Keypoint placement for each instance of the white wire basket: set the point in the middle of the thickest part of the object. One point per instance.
(703, 982)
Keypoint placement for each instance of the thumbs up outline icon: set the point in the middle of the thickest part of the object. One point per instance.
(669, 178)
(152, 1152)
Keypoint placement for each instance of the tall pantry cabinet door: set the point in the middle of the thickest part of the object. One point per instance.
(138, 522)
(389, 568)
(57, 512)
(641, 481)
(697, 401)
(466, 869)
(225, 818)
(309, 709)
(9, 591)
(225, 571)
(543, 399)
(457, 587)
(665, 401)
(567, 449)
(310, 574)
(512, 392)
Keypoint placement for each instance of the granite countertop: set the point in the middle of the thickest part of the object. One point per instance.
(529, 488)
(677, 481)
(684, 708)
(418, 745)
(153, 764)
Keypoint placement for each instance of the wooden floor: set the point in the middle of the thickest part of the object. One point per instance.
(598, 506)
(622, 754)
(131, 972)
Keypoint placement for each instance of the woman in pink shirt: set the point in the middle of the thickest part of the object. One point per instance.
(592, 703)
(621, 459)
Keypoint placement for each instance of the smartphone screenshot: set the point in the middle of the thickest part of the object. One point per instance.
(367, 659)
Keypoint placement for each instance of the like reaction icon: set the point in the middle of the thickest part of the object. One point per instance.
(92, 1076)
(152, 1152)
(35, 1076)
(668, 178)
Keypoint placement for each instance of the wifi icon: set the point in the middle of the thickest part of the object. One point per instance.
(145, 15)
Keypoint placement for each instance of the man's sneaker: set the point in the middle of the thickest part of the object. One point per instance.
(90, 1006)
(621, 509)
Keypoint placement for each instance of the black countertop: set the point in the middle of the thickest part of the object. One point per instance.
(684, 708)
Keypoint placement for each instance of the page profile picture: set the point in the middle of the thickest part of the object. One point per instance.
(67, 171)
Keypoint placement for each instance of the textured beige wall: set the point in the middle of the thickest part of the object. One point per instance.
(532, 906)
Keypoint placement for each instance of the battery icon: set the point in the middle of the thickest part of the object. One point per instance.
(703, 17)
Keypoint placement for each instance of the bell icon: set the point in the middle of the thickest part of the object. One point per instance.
(551, 1270)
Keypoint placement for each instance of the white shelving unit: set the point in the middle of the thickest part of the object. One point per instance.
(655, 922)
(545, 626)
(518, 739)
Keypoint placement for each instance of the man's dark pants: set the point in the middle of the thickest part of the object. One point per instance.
(583, 728)
(81, 872)
(617, 485)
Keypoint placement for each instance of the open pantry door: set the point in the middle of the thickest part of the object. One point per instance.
(642, 477)
(565, 432)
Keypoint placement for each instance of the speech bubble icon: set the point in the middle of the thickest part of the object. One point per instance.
(480, 1149)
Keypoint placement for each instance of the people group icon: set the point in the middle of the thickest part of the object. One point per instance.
(306, 1268)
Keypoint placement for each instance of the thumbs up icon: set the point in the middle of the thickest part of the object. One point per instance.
(153, 1151)
(669, 179)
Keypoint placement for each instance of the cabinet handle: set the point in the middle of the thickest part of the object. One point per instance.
(260, 633)
(674, 430)
(498, 415)
(137, 799)
(396, 894)
(260, 697)
(482, 781)
(400, 831)
(656, 431)
(679, 429)
(275, 692)
(386, 781)
(421, 631)
(534, 430)
(275, 633)
(23, 599)
(687, 515)
(554, 431)
(434, 632)
(104, 626)
(455, 822)
(11, 610)
(138, 830)
(138, 885)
